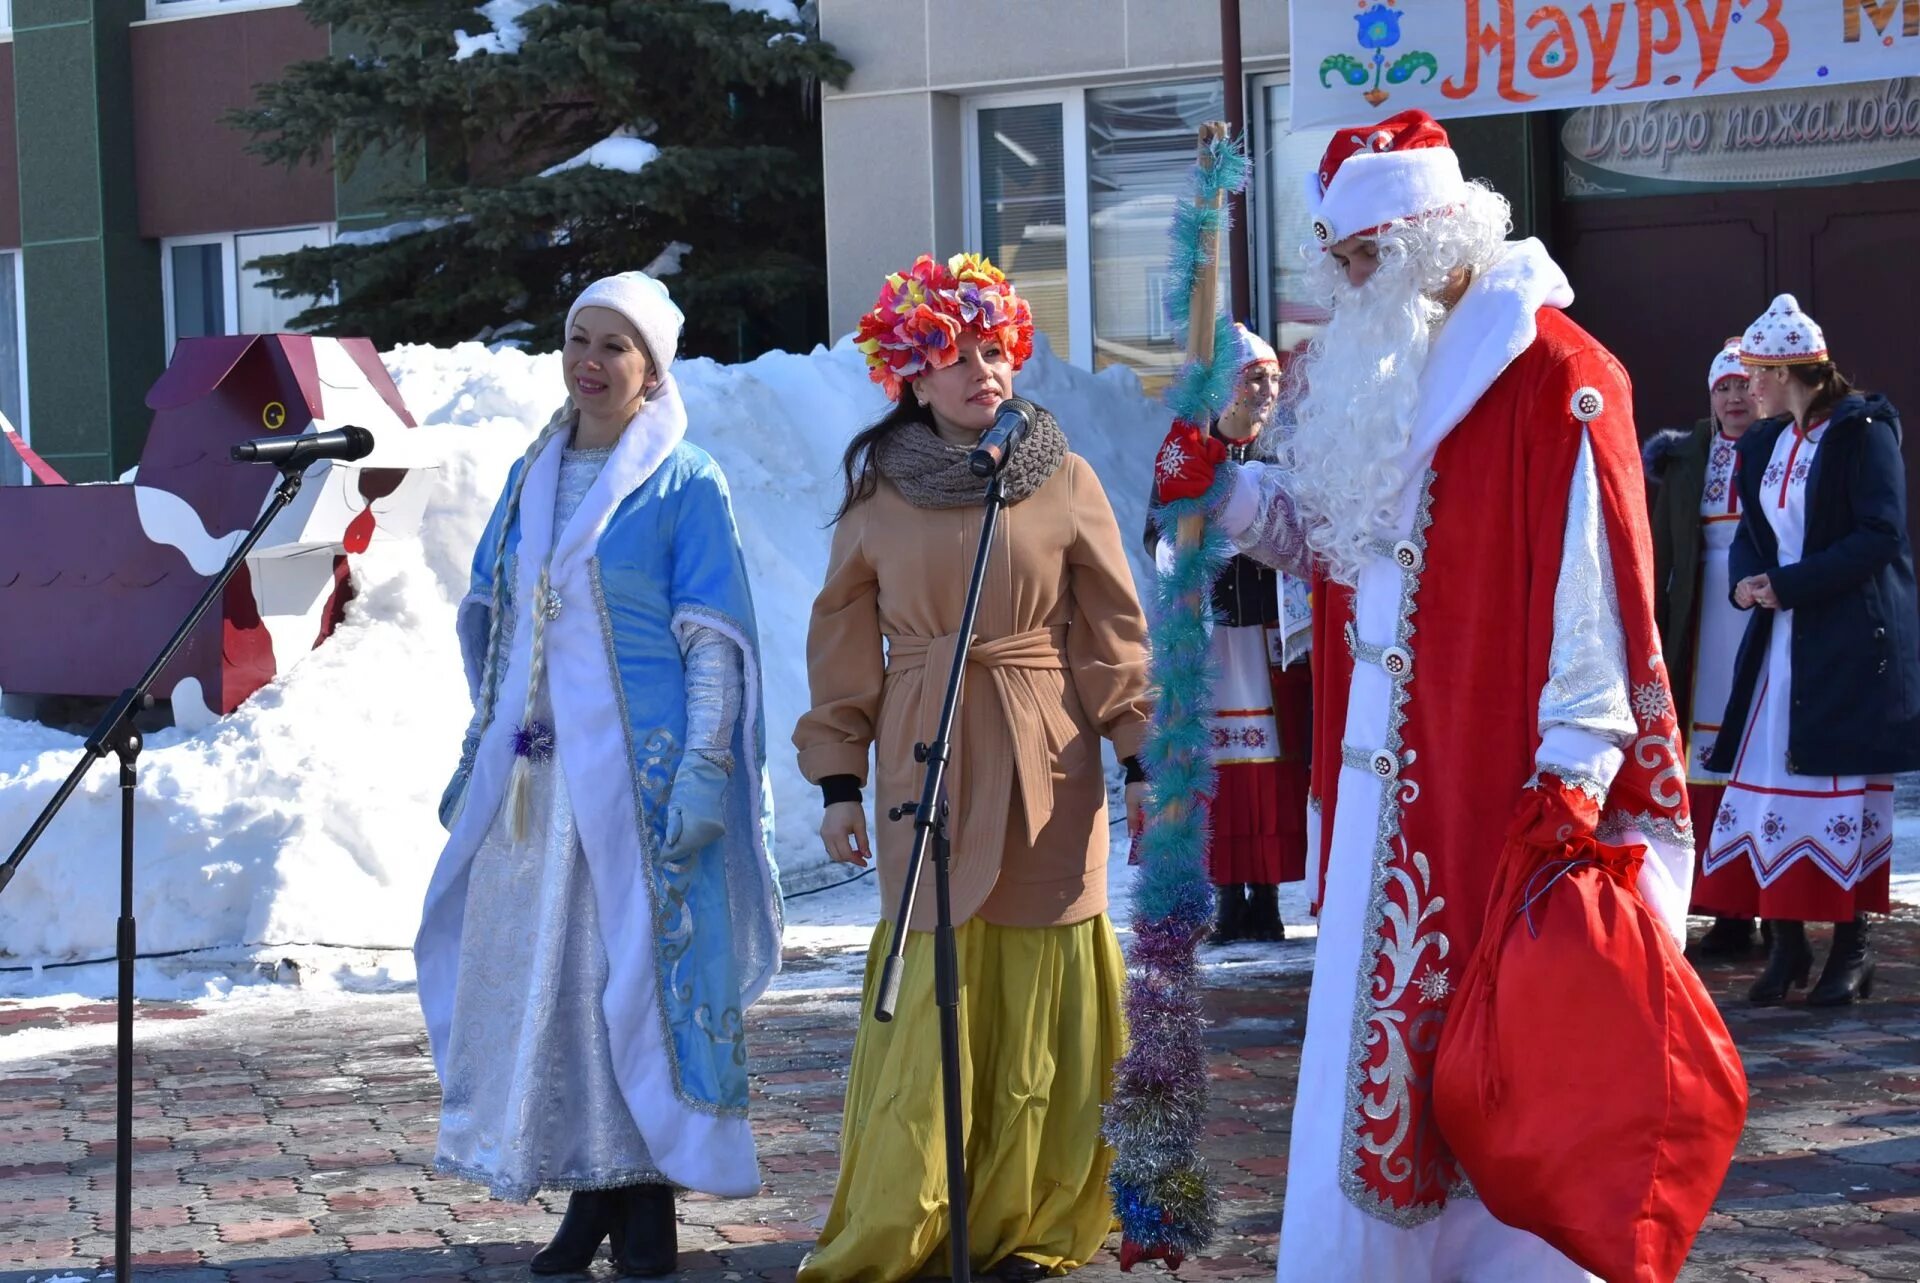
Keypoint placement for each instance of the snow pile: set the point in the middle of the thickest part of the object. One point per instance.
(308, 815)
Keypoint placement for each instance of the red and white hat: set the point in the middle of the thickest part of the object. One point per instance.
(1726, 365)
(1401, 168)
(1254, 350)
(1784, 335)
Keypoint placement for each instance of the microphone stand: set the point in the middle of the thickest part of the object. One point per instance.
(930, 830)
(117, 734)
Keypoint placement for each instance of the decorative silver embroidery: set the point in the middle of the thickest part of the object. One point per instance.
(1652, 702)
(1592, 785)
(1617, 825)
(1382, 764)
(1276, 538)
(1396, 660)
(1374, 1019)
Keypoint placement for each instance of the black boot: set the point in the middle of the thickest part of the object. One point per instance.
(646, 1238)
(1849, 970)
(1726, 938)
(1230, 916)
(1788, 963)
(588, 1220)
(1263, 913)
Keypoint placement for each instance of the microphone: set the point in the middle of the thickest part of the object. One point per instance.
(997, 443)
(291, 452)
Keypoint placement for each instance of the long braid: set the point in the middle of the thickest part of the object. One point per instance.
(532, 742)
(492, 670)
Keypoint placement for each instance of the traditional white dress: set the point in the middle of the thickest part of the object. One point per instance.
(1840, 826)
(1717, 639)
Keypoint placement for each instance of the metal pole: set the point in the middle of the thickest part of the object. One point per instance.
(1234, 82)
(128, 749)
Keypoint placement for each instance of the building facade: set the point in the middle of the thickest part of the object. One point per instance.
(129, 212)
(1055, 135)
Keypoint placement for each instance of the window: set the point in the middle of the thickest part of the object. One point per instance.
(194, 8)
(1072, 192)
(1278, 212)
(211, 286)
(13, 364)
(1140, 150)
(6, 27)
(1022, 167)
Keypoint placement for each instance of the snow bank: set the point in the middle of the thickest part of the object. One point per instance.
(308, 815)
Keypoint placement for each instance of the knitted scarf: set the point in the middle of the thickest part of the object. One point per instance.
(933, 474)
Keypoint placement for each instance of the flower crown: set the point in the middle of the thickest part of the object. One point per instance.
(916, 323)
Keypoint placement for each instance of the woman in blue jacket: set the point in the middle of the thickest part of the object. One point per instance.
(605, 908)
(1826, 692)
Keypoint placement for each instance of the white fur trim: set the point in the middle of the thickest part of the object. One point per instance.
(1372, 189)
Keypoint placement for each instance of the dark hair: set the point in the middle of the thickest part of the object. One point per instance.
(858, 465)
(1828, 384)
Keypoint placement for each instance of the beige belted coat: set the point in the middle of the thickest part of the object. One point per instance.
(1059, 659)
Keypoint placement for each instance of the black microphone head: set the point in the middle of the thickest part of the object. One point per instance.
(359, 443)
(1020, 406)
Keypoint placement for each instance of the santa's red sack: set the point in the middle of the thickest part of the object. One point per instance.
(1584, 1080)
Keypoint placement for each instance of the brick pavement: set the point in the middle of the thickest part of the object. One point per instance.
(292, 1144)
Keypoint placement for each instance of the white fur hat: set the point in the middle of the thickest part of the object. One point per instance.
(1726, 365)
(1784, 335)
(1254, 350)
(1371, 176)
(644, 302)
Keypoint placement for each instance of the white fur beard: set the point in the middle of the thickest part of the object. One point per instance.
(1355, 418)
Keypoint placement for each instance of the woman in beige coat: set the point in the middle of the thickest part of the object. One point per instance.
(1059, 661)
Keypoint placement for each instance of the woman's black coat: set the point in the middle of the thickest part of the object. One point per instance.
(1856, 624)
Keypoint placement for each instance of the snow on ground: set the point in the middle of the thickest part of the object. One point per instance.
(303, 825)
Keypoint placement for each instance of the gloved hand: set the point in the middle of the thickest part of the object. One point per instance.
(1187, 460)
(1553, 813)
(696, 809)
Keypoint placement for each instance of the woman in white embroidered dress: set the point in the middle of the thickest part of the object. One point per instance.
(1822, 560)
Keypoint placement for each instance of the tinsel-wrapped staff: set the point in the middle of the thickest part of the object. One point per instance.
(1160, 1189)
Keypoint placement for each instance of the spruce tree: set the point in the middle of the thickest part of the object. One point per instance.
(487, 241)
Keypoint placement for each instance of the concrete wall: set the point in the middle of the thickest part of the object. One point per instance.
(894, 135)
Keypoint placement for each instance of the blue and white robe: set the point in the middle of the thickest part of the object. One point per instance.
(689, 944)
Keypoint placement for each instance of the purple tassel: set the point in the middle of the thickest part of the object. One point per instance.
(534, 741)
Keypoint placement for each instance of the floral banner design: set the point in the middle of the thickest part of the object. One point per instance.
(1357, 63)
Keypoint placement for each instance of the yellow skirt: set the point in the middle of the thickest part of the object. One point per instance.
(1040, 1030)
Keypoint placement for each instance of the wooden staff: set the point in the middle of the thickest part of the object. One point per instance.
(1191, 529)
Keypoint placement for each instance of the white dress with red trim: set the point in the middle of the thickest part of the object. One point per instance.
(1819, 847)
(1716, 641)
(1258, 816)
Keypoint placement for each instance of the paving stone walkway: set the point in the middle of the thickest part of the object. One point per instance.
(291, 1143)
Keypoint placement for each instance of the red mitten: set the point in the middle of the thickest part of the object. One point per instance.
(1553, 813)
(1187, 460)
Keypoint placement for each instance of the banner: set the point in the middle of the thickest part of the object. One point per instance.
(1357, 63)
(1788, 138)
